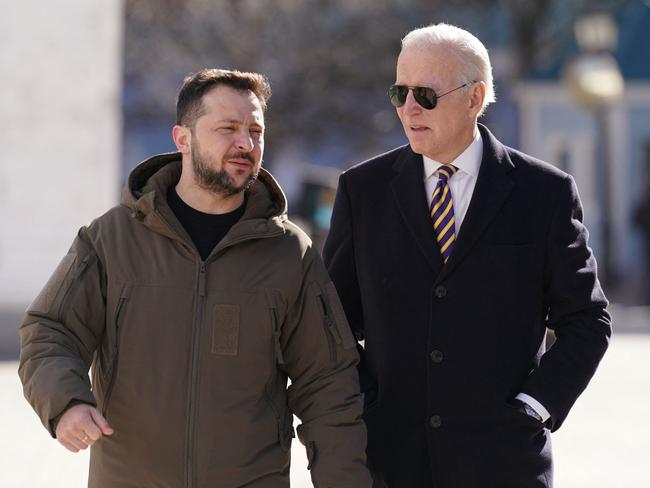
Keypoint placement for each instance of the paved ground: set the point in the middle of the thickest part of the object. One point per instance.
(30, 458)
(603, 444)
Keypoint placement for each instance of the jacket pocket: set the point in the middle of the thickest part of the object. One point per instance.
(63, 281)
(515, 412)
(340, 321)
(75, 279)
(336, 326)
(276, 312)
(283, 415)
(112, 370)
(276, 330)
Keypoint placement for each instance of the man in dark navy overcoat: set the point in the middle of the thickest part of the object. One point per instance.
(452, 256)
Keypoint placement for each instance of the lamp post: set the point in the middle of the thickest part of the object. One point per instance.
(596, 82)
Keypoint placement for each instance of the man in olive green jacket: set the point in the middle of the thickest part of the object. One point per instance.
(193, 302)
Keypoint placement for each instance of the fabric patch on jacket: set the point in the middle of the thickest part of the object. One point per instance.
(225, 331)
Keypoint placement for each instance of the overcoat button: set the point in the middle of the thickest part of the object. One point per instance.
(436, 356)
(440, 291)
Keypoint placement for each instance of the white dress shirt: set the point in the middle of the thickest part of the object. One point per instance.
(461, 185)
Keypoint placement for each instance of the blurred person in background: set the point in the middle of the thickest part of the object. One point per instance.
(193, 302)
(452, 255)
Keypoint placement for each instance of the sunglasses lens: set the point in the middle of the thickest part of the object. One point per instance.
(397, 95)
(425, 96)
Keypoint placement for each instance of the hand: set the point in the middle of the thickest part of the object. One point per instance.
(81, 426)
(530, 411)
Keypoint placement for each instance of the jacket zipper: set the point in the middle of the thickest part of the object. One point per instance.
(116, 352)
(276, 337)
(194, 376)
(331, 331)
(194, 356)
(73, 286)
(195, 340)
(277, 358)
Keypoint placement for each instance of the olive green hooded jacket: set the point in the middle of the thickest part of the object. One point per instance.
(190, 358)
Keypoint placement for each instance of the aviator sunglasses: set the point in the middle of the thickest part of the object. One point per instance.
(425, 96)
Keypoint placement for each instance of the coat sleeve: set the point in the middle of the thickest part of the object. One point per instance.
(320, 358)
(576, 311)
(338, 255)
(339, 258)
(60, 332)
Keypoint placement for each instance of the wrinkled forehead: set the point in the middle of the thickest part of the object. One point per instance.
(226, 103)
(434, 66)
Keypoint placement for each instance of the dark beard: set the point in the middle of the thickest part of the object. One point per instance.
(218, 181)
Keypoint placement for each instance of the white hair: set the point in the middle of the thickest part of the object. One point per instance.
(471, 53)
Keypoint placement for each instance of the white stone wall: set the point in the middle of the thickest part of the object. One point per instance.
(60, 84)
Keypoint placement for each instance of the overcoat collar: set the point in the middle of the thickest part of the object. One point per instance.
(493, 187)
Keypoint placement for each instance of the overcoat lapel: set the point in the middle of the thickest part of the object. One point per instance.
(408, 190)
(493, 187)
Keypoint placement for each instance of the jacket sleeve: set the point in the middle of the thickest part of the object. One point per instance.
(576, 307)
(320, 358)
(60, 332)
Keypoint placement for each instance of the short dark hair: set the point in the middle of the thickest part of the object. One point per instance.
(189, 104)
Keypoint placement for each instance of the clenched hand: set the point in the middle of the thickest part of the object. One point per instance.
(81, 426)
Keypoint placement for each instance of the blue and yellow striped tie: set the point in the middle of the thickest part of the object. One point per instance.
(442, 212)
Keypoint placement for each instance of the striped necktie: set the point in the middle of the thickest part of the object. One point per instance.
(442, 212)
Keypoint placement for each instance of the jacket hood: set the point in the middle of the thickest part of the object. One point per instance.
(145, 195)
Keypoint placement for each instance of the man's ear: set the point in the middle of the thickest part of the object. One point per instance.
(477, 95)
(182, 138)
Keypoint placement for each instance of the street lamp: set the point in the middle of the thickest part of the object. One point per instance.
(594, 77)
(595, 81)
